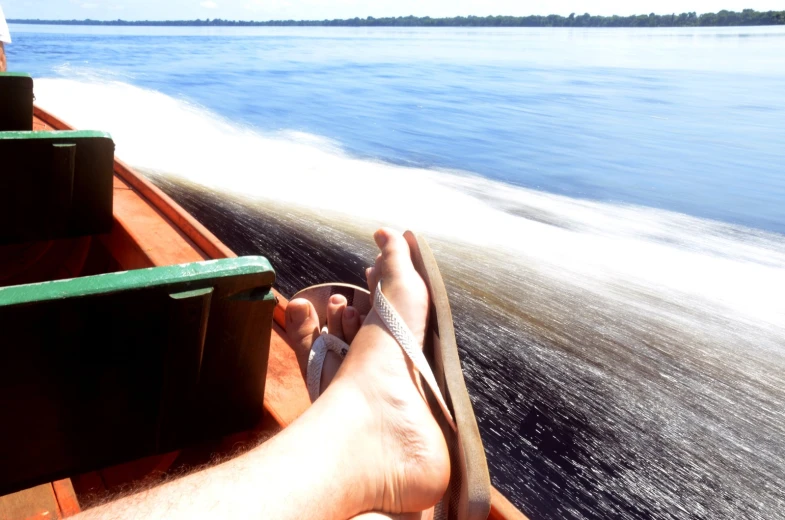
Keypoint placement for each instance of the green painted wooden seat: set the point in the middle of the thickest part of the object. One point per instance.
(55, 185)
(16, 101)
(104, 369)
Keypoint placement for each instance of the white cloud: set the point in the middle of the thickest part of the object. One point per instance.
(209, 4)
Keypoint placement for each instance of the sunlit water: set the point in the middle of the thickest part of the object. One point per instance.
(607, 208)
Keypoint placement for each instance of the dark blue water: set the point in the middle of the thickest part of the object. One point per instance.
(689, 120)
(607, 208)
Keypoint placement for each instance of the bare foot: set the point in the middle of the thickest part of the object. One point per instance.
(403, 455)
(302, 327)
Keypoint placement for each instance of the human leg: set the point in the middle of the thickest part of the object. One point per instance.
(369, 443)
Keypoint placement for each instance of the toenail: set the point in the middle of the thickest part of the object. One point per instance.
(349, 313)
(299, 312)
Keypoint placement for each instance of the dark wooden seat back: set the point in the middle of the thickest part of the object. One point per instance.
(55, 185)
(16, 101)
(100, 370)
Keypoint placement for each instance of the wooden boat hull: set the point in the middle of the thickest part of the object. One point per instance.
(150, 229)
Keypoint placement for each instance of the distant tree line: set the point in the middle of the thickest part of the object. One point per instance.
(722, 18)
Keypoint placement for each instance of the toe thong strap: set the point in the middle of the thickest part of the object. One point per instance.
(324, 343)
(397, 327)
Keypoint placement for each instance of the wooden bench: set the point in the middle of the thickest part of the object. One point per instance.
(55, 185)
(105, 369)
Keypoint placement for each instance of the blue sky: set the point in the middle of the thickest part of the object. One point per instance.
(319, 9)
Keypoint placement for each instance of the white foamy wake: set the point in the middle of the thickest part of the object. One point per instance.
(657, 328)
(591, 243)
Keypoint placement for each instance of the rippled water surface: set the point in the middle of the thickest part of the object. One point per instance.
(607, 207)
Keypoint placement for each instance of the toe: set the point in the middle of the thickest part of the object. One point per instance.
(401, 284)
(335, 308)
(302, 328)
(350, 324)
(392, 244)
(395, 258)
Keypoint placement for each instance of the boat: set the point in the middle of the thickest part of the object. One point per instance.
(145, 229)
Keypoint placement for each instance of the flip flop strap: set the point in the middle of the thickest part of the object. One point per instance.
(324, 343)
(398, 329)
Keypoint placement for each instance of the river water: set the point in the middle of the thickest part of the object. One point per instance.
(607, 206)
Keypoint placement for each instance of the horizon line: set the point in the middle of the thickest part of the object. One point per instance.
(744, 17)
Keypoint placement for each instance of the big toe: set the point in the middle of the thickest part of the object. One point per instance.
(401, 284)
(302, 328)
(395, 258)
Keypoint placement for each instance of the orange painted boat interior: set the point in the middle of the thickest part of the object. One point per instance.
(150, 229)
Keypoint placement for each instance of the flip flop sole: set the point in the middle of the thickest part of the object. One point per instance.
(319, 296)
(468, 496)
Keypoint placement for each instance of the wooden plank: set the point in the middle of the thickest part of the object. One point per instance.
(231, 274)
(89, 487)
(66, 498)
(77, 170)
(16, 91)
(188, 315)
(40, 126)
(285, 395)
(118, 409)
(37, 502)
(43, 261)
(192, 228)
(143, 237)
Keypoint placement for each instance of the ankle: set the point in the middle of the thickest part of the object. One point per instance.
(389, 439)
(353, 419)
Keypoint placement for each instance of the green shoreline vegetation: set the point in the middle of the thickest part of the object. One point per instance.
(719, 19)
